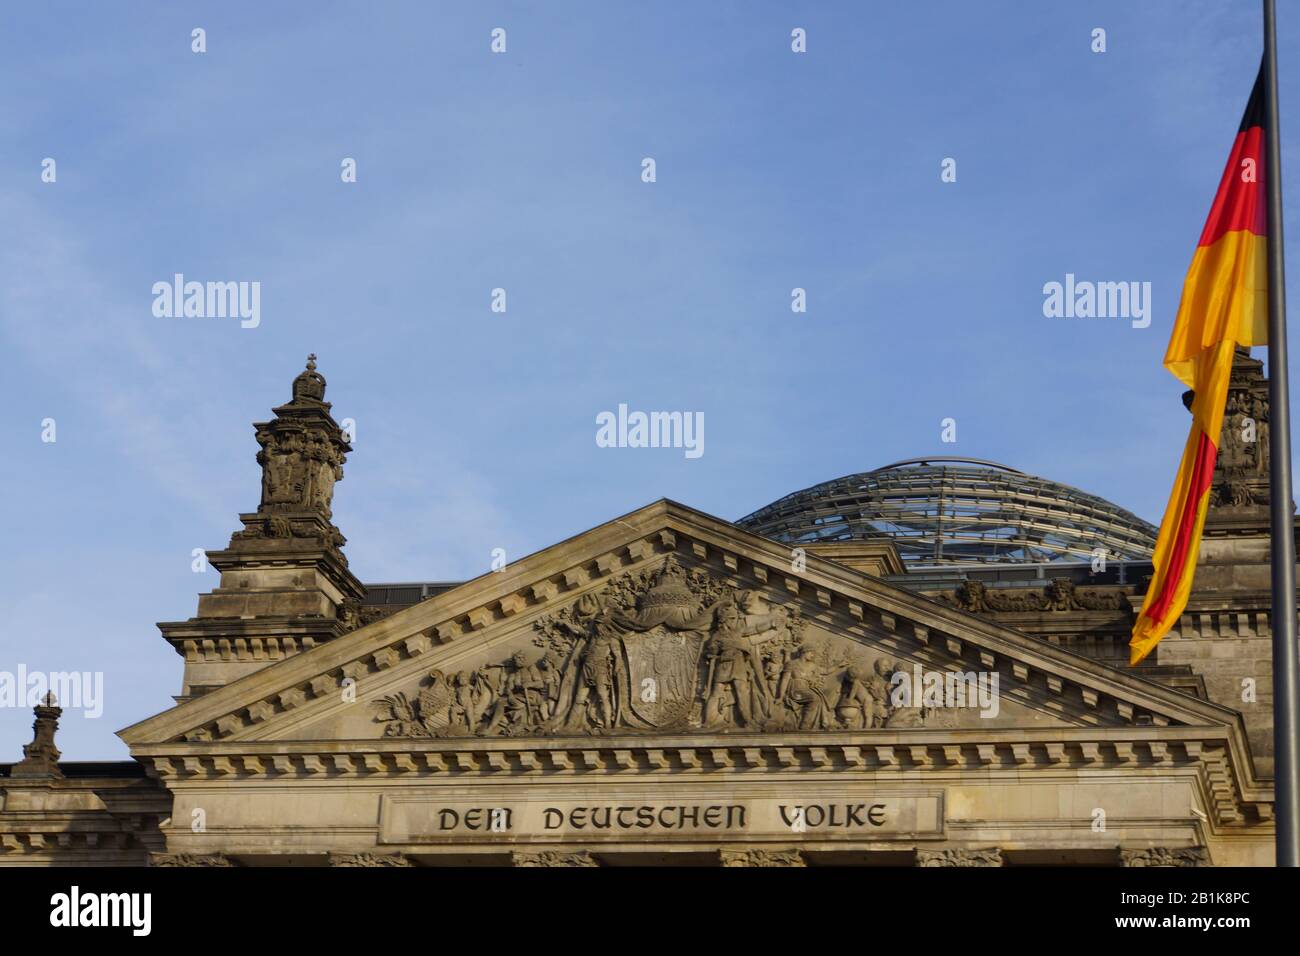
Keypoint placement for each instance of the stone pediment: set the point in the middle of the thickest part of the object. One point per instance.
(663, 623)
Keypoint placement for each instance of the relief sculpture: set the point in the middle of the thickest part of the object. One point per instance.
(1060, 594)
(661, 651)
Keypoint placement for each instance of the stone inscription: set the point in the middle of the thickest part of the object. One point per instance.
(420, 820)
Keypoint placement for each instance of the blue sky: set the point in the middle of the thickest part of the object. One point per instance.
(475, 430)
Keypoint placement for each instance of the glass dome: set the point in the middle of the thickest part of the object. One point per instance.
(943, 511)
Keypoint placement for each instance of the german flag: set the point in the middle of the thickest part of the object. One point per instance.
(1224, 304)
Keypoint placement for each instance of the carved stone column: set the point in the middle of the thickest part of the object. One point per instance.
(959, 857)
(552, 858)
(369, 859)
(758, 857)
(188, 859)
(1165, 856)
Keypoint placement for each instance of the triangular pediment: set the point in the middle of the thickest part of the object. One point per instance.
(670, 622)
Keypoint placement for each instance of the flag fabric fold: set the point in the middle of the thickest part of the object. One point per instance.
(1224, 304)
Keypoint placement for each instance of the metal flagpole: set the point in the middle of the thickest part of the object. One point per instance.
(1286, 660)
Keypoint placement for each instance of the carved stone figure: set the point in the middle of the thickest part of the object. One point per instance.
(520, 701)
(971, 596)
(856, 708)
(465, 710)
(878, 684)
(599, 679)
(1259, 412)
(1060, 595)
(265, 439)
(1235, 492)
(550, 677)
(804, 692)
(736, 680)
(773, 667)
(1232, 449)
(286, 474)
(349, 614)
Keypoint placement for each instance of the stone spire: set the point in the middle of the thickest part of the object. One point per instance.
(41, 757)
(285, 584)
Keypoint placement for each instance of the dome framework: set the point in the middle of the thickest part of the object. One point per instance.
(946, 511)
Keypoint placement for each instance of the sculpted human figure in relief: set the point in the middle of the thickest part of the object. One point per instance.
(856, 709)
(803, 688)
(598, 684)
(735, 679)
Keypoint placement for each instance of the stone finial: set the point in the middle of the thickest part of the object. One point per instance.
(41, 756)
(310, 384)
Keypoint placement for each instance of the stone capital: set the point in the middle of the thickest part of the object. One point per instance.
(552, 858)
(959, 857)
(762, 857)
(188, 859)
(368, 859)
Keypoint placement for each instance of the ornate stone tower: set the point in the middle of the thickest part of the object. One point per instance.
(1225, 634)
(285, 584)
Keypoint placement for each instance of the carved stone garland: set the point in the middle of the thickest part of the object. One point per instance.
(1059, 595)
(959, 857)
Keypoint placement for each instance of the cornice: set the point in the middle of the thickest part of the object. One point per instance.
(928, 752)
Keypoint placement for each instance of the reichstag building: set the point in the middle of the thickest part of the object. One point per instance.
(920, 665)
